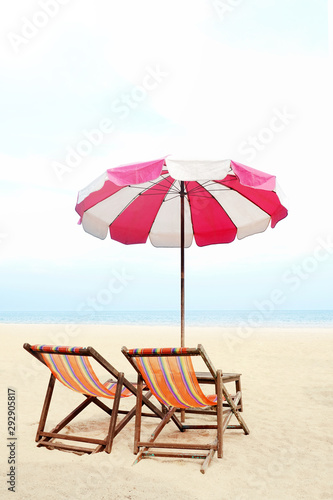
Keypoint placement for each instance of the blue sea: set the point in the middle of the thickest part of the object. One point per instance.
(303, 318)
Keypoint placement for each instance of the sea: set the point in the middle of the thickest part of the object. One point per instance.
(234, 318)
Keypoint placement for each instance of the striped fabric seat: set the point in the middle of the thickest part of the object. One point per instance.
(170, 378)
(76, 372)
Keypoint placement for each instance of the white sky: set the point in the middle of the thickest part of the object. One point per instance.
(198, 77)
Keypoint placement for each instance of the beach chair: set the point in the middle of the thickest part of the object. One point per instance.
(71, 366)
(170, 376)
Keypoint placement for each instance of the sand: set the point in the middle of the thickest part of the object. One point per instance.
(288, 403)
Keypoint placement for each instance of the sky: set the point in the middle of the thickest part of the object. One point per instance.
(87, 86)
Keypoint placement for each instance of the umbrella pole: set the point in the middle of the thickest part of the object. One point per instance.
(182, 266)
(182, 276)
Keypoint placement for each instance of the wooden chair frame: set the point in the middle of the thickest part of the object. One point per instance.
(226, 406)
(46, 439)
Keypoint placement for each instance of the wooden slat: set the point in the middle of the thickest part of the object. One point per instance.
(202, 411)
(72, 438)
(174, 455)
(183, 446)
(60, 446)
(206, 377)
(194, 426)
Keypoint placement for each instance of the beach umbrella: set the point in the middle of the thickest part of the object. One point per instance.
(172, 201)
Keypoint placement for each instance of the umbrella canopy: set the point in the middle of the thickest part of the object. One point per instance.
(172, 201)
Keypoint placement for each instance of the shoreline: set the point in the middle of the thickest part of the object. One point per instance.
(193, 318)
(266, 327)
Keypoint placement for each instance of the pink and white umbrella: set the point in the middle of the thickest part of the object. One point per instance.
(171, 201)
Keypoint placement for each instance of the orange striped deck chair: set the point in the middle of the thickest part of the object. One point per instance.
(72, 367)
(171, 378)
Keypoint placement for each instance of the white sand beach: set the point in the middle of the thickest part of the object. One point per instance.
(287, 391)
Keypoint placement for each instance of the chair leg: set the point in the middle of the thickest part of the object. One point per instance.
(219, 414)
(228, 414)
(209, 457)
(239, 389)
(46, 407)
(114, 414)
(138, 416)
